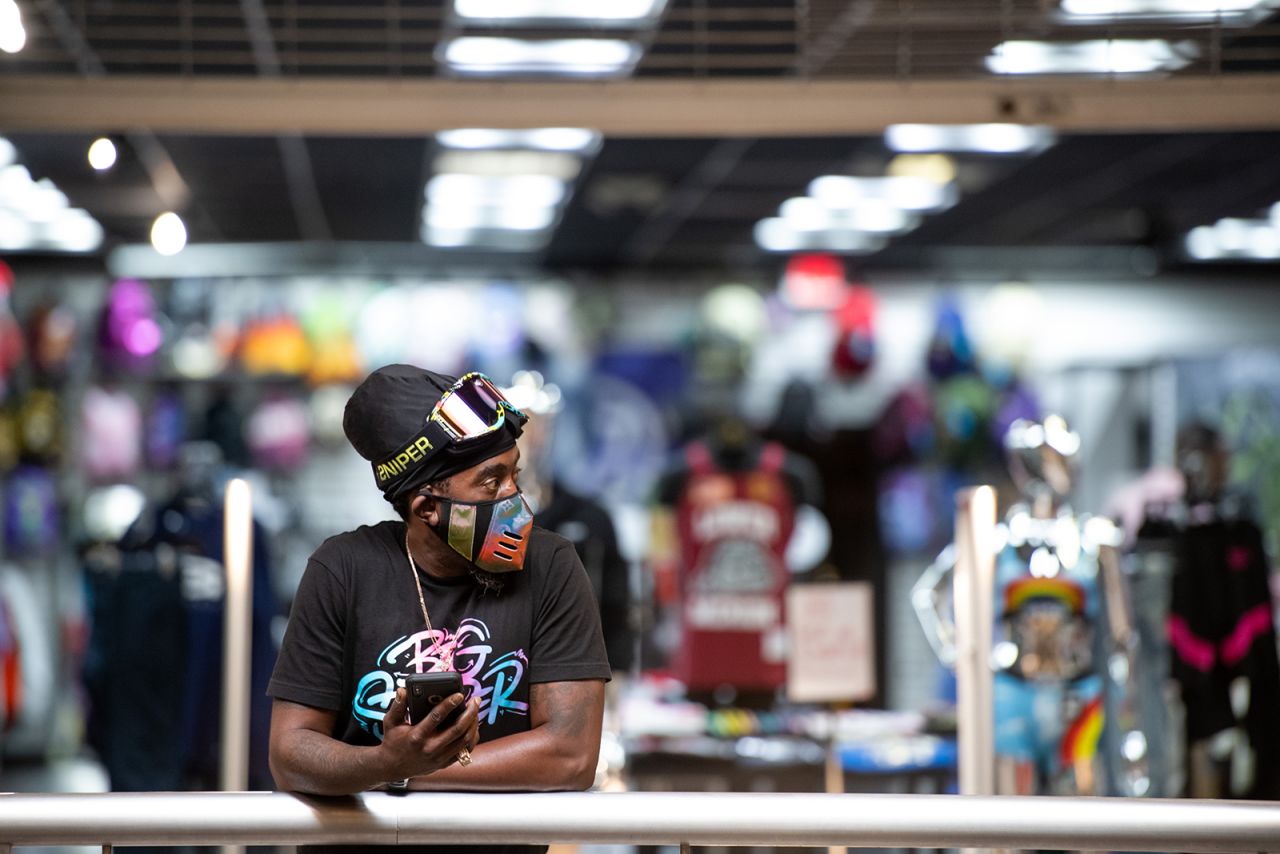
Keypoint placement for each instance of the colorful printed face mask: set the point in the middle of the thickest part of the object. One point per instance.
(491, 534)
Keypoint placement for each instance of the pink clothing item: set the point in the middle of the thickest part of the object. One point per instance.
(1194, 651)
(1255, 623)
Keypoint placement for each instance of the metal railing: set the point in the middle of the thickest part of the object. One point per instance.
(648, 818)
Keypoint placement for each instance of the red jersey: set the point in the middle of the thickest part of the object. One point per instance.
(733, 528)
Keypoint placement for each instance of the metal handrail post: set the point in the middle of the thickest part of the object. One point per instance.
(974, 582)
(237, 636)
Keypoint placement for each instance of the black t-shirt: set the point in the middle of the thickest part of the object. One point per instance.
(356, 631)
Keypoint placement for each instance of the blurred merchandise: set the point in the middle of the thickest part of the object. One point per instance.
(277, 432)
(275, 345)
(855, 348)
(110, 434)
(31, 523)
(129, 333)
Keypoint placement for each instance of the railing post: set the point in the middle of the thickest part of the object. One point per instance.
(237, 634)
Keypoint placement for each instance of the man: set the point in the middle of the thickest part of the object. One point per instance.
(464, 582)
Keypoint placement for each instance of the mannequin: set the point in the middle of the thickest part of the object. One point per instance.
(1222, 633)
(1064, 640)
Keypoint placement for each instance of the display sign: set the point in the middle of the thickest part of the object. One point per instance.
(831, 654)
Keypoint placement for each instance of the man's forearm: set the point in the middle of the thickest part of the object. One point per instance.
(314, 763)
(533, 761)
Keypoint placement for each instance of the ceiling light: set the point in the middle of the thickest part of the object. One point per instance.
(484, 56)
(1264, 242)
(446, 236)
(805, 214)
(578, 140)
(506, 217)
(583, 12)
(777, 235)
(877, 217)
(558, 164)
(935, 168)
(13, 36)
(168, 234)
(1226, 11)
(15, 183)
(1236, 238)
(16, 233)
(74, 230)
(506, 240)
(461, 190)
(1202, 244)
(1096, 56)
(102, 154)
(993, 138)
(838, 192)
(42, 201)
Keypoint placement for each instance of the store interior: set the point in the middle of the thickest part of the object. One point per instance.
(760, 364)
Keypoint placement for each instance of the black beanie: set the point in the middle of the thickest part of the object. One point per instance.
(388, 410)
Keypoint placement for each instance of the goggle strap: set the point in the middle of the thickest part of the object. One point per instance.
(423, 444)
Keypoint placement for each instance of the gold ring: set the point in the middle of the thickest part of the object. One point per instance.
(464, 757)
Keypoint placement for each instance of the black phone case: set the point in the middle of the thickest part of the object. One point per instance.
(427, 689)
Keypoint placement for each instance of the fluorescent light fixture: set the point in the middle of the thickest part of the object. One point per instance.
(907, 193)
(13, 36)
(579, 12)
(447, 236)
(510, 241)
(461, 190)
(35, 216)
(1236, 239)
(935, 168)
(73, 230)
(579, 140)
(15, 184)
(558, 164)
(874, 216)
(42, 201)
(168, 234)
(16, 234)
(993, 138)
(1094, 56)
(776, 234)
(102, 154)
(1226, 11)
(512, 217)
(486, 56)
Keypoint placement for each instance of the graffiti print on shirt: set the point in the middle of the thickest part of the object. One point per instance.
(492, 676)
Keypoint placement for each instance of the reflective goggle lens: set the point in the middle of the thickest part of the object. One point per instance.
(472, 408)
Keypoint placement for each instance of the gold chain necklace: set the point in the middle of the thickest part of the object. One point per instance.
(413, 570)
(464, 755)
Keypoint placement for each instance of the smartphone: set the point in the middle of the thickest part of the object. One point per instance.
(428, 689)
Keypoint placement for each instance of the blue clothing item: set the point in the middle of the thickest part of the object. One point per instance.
(194, 526)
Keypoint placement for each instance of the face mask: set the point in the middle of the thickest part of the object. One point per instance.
(491, 534)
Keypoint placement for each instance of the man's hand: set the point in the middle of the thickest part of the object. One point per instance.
(413, 749)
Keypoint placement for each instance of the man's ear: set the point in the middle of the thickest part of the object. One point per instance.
(426, 508)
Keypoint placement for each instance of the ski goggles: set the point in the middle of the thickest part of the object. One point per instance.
(471, 409)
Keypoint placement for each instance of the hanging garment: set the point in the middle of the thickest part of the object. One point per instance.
(1221, 630)
(733, 526)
